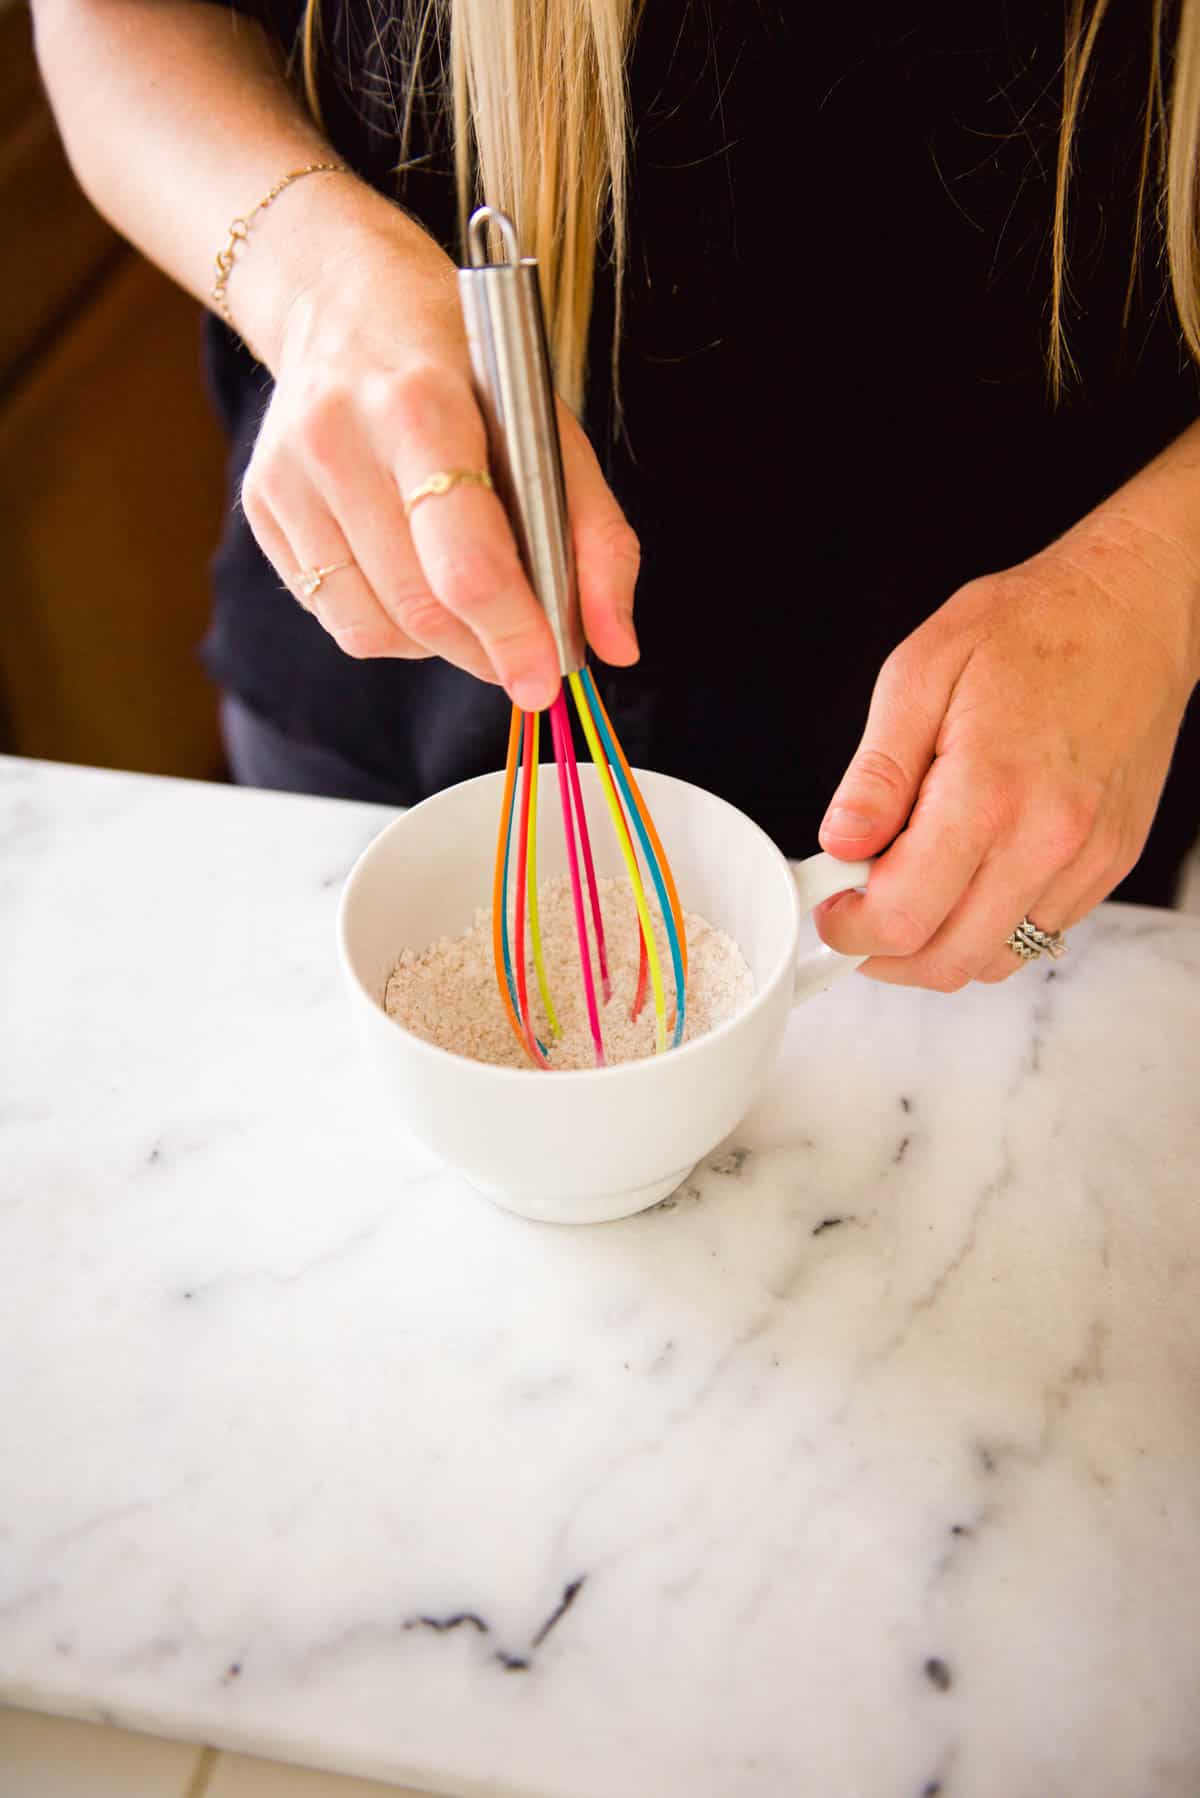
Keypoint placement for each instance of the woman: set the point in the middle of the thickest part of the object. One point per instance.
(826, 252)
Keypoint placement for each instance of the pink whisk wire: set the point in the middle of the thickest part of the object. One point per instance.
(568, 791)
(585, 844)
(521, 894)
(639, 997)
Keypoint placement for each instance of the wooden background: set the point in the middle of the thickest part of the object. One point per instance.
(110, 471)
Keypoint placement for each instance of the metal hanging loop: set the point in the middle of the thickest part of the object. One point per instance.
(510, 360)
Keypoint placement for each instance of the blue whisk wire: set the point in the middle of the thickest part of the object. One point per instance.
(632, 806)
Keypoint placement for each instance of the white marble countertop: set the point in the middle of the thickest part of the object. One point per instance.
(868, 1467)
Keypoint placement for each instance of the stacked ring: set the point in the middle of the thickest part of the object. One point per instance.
(1029, 942)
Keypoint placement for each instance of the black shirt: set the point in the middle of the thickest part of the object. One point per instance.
(832, 370)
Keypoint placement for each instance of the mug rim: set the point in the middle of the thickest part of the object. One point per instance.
(643, 1064)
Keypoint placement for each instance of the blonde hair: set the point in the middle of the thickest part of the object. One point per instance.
(540, 126)
(1170, 145)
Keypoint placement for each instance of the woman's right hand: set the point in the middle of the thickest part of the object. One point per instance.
(372, 395)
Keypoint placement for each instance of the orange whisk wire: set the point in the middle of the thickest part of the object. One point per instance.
(500, 955)
(639, 997)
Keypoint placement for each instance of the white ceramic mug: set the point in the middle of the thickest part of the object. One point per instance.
(584, 1145)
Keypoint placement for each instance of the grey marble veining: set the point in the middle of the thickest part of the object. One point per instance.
(867, 1466)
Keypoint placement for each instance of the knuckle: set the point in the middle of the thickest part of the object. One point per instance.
(947, 977)
(904, 671)
(1069, 825)
(472, 580)
(420, 615)
(616, 541)
(322, 426)
(899, 932)
(896, 664)
(998, 803)
(420, 398)
(877, 768)
(1106, 872)
(362, 642)
(253, 498)
(1110, 849)
(258, 493)
(981, 589)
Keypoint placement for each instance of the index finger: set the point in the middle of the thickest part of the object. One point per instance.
(467, 552)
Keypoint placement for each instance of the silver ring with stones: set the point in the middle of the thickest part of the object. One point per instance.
(1029, 942)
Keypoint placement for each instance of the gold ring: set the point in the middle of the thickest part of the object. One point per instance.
(443, 481)
(309, 579)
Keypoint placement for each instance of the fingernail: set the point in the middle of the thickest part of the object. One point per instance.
(843, 822)
(532, 694)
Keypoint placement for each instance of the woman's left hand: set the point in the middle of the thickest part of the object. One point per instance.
(1024, 732)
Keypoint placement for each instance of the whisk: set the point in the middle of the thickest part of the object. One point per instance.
(511, 363)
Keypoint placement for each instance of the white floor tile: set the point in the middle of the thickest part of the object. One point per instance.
(237, 1777)
(52, 1757)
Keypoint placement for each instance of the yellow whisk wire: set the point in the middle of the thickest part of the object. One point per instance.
(535, 930)
(651, 832)
(626, 844)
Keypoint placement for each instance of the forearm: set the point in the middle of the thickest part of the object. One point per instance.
(1143, 546)
(177, 119)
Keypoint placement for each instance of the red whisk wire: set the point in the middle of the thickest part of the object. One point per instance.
(585, 843)
(522, 971)
(564, 756)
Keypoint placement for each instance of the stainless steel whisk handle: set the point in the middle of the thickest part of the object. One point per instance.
(510, 358)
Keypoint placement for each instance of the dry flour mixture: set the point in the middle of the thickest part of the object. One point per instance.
(447, 992)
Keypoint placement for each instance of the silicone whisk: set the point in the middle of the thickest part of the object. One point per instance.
(511, 363)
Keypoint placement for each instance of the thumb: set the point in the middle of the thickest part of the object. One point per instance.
(880, 787)
(607, 553)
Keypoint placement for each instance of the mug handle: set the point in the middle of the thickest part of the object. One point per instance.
(819, 878)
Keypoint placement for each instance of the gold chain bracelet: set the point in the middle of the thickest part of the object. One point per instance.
(239, 230)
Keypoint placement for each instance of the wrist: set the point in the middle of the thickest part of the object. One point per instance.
(329, 240)
(1148, 572)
